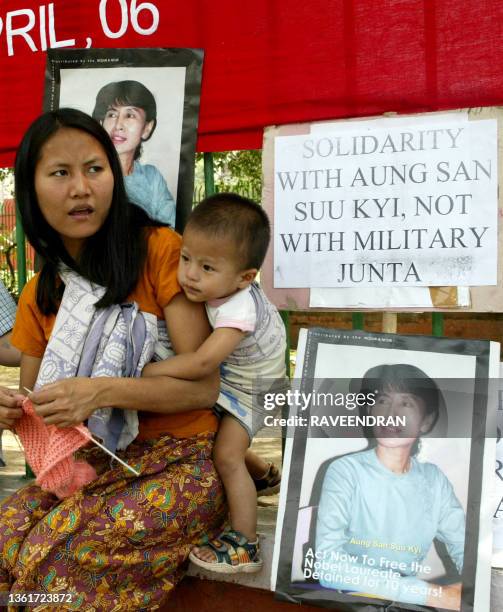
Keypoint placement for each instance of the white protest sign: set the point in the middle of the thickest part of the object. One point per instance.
(406, 205)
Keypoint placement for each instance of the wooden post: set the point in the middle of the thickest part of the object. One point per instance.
(389, 322)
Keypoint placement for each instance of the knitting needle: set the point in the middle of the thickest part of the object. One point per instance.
(104, 448)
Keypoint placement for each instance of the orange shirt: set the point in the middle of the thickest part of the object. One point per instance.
(155, 289)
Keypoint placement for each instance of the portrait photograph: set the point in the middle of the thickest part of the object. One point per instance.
(148, 101)
(381, 512)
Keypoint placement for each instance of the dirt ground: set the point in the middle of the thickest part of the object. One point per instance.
(9, 377)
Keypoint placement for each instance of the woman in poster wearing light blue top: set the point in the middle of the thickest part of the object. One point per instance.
(380, 509)
(128, 112)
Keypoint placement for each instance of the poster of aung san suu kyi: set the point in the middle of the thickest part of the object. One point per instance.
(389, 460)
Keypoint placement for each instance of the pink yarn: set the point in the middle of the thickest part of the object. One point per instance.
(49, 451)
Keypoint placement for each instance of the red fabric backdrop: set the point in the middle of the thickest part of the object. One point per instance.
(281, 61)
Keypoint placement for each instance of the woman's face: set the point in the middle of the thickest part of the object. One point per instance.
(127, 126)
(74, 186)
(391, 403)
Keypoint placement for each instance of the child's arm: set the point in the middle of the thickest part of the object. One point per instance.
(192, 366)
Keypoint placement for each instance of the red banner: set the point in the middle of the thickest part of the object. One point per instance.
(270, 61)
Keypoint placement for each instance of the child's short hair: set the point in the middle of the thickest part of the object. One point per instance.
(229, 215)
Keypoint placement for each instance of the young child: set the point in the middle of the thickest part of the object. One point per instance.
(224, 245)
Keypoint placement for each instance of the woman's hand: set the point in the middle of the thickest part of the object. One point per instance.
(10, 407)
(66, 402)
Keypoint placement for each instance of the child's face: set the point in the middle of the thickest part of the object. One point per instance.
(208, 268)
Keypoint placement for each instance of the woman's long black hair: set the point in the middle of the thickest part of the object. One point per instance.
(113, 257)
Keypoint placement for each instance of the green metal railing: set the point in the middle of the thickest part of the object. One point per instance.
(209, 174)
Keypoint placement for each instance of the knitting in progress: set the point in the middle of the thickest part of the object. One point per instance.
(49, 451)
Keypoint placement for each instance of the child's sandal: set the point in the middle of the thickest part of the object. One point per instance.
(233, 554)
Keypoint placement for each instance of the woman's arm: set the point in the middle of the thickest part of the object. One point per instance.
(29, 372)
(162, 200)
(451, 523)
(68, 402)
(451, 531)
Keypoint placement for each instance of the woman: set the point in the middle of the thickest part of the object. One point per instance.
(128, 112)
(119, 542)
(381, 508)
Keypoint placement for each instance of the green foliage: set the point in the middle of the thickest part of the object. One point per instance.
(8, 273)
(6, 173)
(239, 171)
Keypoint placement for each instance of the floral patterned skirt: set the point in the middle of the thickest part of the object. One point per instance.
(121, 542)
